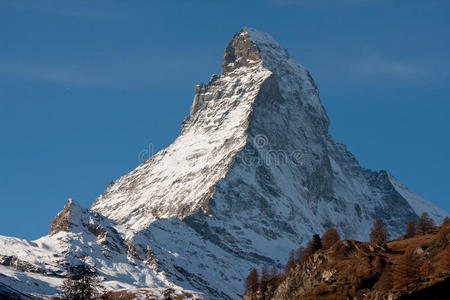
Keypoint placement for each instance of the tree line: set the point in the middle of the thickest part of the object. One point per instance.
(379, 234)
(328, 239)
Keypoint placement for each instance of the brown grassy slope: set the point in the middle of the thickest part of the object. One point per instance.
(363, 270)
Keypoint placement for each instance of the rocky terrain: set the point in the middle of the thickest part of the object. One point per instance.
(363, 270)
(253, 174)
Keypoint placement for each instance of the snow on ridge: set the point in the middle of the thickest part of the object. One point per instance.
(260, 37)
(419, 204)
(292, 76)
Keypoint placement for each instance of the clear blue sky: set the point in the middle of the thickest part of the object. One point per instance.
(85, 86)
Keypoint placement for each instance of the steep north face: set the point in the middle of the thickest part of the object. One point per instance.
(253, 174)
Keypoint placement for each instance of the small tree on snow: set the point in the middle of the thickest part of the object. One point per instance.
(82, 283)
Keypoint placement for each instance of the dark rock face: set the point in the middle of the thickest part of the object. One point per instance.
(18, 264)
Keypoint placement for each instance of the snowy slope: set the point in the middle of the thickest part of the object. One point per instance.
(253, 174)
(38, 267)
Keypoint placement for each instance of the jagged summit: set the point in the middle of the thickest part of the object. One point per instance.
(69, 217)
(250, 46)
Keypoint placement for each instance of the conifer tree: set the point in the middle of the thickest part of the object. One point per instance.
(378, 232)
(446, 259)
(273, 273)
(330, 237)
(385, 281)
(446, 220)
(309, 249)
(265, 277)
(290, 263)
(301, 251)
(407, 271)
(444, 235)
(424, 223)
(316, 243)
(410, 229)
(82, 283)
(426, 269)
(252, 279)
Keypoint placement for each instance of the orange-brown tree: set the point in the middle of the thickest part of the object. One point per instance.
(290, 263)
(446, 259)
(273, 273)
(407, 271)
(410, 229)
(330, 237)
(426, 269)
(446, 220)
(385, 281)
(424, 223)
(300, 253)
(309, 249)
(264, 275)
(252, 278)
(303, 253)
(378, 232)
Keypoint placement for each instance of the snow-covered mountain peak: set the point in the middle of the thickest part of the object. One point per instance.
(223, 119)
(252, 175)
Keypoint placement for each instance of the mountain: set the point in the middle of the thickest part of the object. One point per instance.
(253, 174)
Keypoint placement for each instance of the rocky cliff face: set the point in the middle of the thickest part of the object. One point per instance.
(253, 174)
(66, 219)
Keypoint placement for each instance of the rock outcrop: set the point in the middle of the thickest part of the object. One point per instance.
(66, 218)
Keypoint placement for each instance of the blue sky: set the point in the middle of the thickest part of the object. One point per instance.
(86, 86)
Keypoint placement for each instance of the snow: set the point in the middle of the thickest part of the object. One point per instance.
(419, 204)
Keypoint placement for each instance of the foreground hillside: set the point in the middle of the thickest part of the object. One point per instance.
(413, 268)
